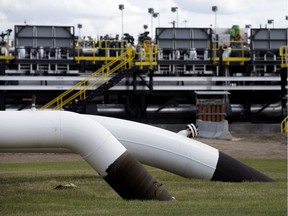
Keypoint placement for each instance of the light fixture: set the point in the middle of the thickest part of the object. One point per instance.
(121, 7)
(175, 9)
(151, 11)
(215, 9)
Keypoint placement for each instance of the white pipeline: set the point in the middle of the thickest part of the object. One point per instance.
(35, 129)
(82, 135)
(150, 145)
(162, 148)
(177, 153)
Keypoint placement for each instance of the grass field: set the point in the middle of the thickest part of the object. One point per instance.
(28, 189)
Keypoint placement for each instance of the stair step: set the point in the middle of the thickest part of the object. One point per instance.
(78, 106)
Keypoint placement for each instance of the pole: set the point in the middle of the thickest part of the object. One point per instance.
(122, 24)
(151, 27)
(177, 18)
(121, 7)
(215, 21)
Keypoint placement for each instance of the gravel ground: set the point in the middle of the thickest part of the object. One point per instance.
(251, 145)
(243, 145)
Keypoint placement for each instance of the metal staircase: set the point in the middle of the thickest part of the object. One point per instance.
(79, 106)
(78, 92)
(284, 125)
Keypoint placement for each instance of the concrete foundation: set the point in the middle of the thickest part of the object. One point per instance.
(233, 128)
(215, 130)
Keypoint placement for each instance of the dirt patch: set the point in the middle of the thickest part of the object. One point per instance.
(243, 145)
(251, 145)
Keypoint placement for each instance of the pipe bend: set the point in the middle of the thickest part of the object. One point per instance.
(81, 134)
(58, 129)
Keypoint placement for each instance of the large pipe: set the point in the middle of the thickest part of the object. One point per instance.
(178, 154)
(174, 152)
(272, 110)
(80, 134)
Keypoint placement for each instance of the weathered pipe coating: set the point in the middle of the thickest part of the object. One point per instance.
(229, 169)
(131, 180)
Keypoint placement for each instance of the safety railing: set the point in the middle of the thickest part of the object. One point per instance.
(81, 87)
(227, 47)
(283, 52)
(4, 52)
(99, 50)
(214, 47)
(284, 125)
(237, 46)
(146, 55)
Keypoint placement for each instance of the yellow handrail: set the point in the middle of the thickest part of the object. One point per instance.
(82, 91)
(147, 54)
(82, 85)
(225, 45)
(283, 52)
(238, 46)
(97, 46)
(5, 53)
(284, 125)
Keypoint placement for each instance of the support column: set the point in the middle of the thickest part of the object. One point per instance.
(2, 100)
(2, 93)
(284, 91)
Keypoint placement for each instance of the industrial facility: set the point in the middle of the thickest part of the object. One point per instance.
(182, 75)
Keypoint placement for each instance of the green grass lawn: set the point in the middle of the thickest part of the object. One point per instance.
(28, 189)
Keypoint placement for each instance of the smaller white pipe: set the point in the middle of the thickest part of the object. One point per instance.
(178, 154)
(162, 148)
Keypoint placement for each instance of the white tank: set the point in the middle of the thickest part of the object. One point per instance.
(90, 51)
(21, 52)
(58, 53)
(206, 54)
(193, 54)
(41, 52)
(160, 54)
(226, 52)
(4, 51)
(141, 54)
(177, 54)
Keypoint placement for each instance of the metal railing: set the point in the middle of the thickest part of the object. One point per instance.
(4, 52)
(146, 54)
(81, 87)
(283, 52)
(94, 47)
(228, 47)
(238, 46)
(284, 125)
